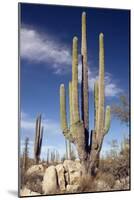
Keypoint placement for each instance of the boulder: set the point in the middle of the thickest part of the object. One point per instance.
(26, 192)
(38, 169)
(122, 184)
(50, 181)
(67, 177)
(61, 176)
(74, 170)
(72, 188)
(102, 186)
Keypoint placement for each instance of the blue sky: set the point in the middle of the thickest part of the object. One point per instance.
(46, 34)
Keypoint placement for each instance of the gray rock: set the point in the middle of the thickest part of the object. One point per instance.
(26, 192)
(102, 185)
(50, 181)
(61, 176)
(74, 170)
(38, 169)
(72, 188)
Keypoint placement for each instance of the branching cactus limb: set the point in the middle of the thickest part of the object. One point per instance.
(100, 123)
(63, 118)
(75, 97)
(38, 139)
(96, 104)
(103, 123)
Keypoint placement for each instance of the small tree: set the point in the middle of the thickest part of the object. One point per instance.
(121, 110)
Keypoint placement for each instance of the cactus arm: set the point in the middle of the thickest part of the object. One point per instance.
(101, 86)
(63, 117)
(70, 103)
(84, 88)
(75, 102)
(66, 131)
(107, 120)
(96, 90)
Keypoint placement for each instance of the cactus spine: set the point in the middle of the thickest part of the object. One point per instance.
(78, 132)
(38, 139)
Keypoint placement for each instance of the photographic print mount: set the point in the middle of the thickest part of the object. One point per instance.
(84, 50)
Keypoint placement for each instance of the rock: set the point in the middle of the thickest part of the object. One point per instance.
(67, 177)
(122, 184)
(72, 188)
(39, 169)
(102, 185)
(34, 194)
(74, 170)
(50, 181)
(26, 192)
(117, 185)
(61, 176)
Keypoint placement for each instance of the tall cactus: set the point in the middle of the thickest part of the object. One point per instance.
(78, 130)
(38, 139)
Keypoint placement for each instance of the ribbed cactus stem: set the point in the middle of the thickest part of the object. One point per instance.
(75, 97)
(101, 86)
(84, 89)
(96, 91)
(63, 108)
(70, 103)
(107, 120)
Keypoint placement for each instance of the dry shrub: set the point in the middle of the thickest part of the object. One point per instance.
(87, 184)
(34, 182)
(117, 166)
(106, 178)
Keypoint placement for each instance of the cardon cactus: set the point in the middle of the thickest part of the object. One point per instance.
(38, 139)
(78, 130)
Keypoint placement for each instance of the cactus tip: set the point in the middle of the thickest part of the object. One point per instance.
(101, 35)
(83, 13)
(75, 38)
(62, 85)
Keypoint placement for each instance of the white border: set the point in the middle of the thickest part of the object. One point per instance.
(9, 96)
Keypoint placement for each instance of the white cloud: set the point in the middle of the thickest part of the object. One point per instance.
(111, 88)
(44, 48)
